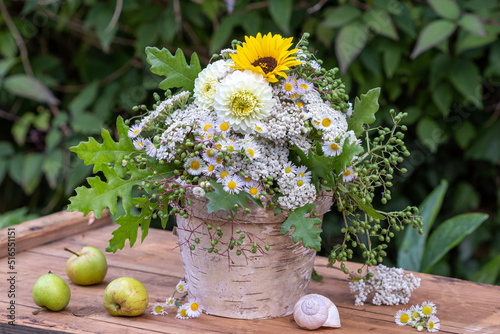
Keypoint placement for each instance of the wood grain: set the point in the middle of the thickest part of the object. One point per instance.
(462, 307)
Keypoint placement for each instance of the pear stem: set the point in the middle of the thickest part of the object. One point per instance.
(39, 310)
(69, 250)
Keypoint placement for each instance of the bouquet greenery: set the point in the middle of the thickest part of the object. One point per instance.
(262, 123)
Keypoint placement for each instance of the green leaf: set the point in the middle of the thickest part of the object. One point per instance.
(320, 166)
(6, 65)
(303, 227)
(349, 42)
(364, 111)
(367, 208)
(391, 59)
(174, 67)
(445, 8)
(129, 225)
(32, 172)
(467, 41)
(430, 133)
(465, 134)
(21, 127)
(221, 200)
(473, 24)
(405, 21)
(29, 87)
(224, 31)
(281, 12)
(340, 16)
(412, 249)
(448, 235)
(84, 99)
(52, 166)
(15, 217)
(92, 152)
(466, 78)
(432, 34)
(348, 152)
(488, 274)
(487, 144)
(442, 97)
(380, 22)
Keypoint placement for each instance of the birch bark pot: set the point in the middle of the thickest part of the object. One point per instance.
(251, 285)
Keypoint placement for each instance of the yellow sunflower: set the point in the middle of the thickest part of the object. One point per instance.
(267, 55)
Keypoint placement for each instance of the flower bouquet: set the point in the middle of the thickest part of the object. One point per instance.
(263, 131)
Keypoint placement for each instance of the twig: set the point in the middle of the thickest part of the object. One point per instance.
(9, 116)
(316, 7)
(116, 16)
(18, 38)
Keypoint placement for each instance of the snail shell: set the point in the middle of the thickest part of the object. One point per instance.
(313, 311)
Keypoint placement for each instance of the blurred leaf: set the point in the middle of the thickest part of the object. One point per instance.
(78, 172)
(42, 120)
(449, 234)
(99, 16)
(15, 217)
(473, 24)
(86, 122)
(465, 134)
(445, 8)
(430, 133)
(21, 127)
(31, 171)
(364, 111)
(174, 67)
(84, 99)
(489, 272)
(466, 78)
(6, 150)
(350, 40)
(391, 59)
(493, 67)
(52, 139)
(251, 24)
(224, 31)
(380, 22)
(440, 67)
(6, 65)
(404, 20)
(340, 16)
(52, 166)
(432, 34)
(467, 41)
(465, 198)
(486, 145)
(8, 46)
(281, 12)
(412, 249)
(29, 87)
(442, 97)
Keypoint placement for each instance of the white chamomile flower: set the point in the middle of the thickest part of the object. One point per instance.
(150, 148)
(433, 324)
(252, 150)
(217, 161)
(415, 313)
(139, 144)
(304, 86)
(134, 130)
(221, 174)
(181, 287)
(182, 313)
(244, 98)
(193, 309)
(299, 104)
(205, 137)
(170, 302)
(210, 168)
(348, 175)
(351, 137)
(233, 184)
(209, 153)
(289, 169)
(198, 192)
(194, 166)
(301, 181)
(260, 128)
(205, 85)
(323, 121)
(348, 113)
(247, 179)
(159, 309)
(222, 126)
(403, 317)
(253, 188)
(427, 309)
(207, 125)
(303, 173)
(289, 86)
(230, 146)
(332, 148)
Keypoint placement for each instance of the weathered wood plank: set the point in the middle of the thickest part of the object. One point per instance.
(463, 307)
(49, 228)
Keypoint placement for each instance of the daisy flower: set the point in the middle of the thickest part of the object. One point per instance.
(221, 174)
(209, 154)
(134, 130)
(303, 173)
(348, 174)
(139, 144)
(207, 125)
(206, 136)
(415, 313)
(181, 287)
(252, 150)
(289, 86)
(428, 308)
(304, 86)
(170, 302)
(403, 317)
(194, 166)
(159, 309)
(193, 309)
(253, 188)
(266, 55)
(150, 148)
(242, 99)
(221, 126)
(217, 161)
(331, 148)
(324, 121)
(182, 313)
(299, 104)
(198, 192)
(231, 146)
(433, 324)
(247, 179)
(233, 184)
(289, 168)
(260, 128)
(302, 181)
(209, 169)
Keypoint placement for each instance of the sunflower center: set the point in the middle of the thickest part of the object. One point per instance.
(267, 64)
(243, 103)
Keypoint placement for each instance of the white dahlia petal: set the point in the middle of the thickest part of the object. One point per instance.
(206, 83)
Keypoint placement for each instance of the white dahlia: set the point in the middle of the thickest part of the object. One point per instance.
(206, 83)
(243, 99)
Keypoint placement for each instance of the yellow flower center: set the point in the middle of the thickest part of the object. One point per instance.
(158, 309)
(230, 148)
(326, 122)
(211, 168)
(302, 174)
(223, 174)
(183, 313)
(305, 86)
(294, 96)
(404, 318)
(248, 179)
(194, 306)
(224, 126)
(210, 152)
(195, 165)
(140, 144)
(258, 128)
(415, 315)
(288, 87)
(288, 170)
(210, 86)
(334, 146)
(180, 288)
(219, 160)
(137, 131)
(250, 152)
(300, 183)
(430, 326)
(267, 64)
(347, 173)
(254, 191)
(243, 103)
(426, 310)
(231, 185)
(206, 127)
(299, 104)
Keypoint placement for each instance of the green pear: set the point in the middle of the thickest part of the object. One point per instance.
(125, 296)
(86, 267)
(51, 292)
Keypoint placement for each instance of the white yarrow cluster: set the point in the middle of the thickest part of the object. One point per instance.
(391, 286)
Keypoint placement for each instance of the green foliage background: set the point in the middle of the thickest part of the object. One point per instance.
(69, 68)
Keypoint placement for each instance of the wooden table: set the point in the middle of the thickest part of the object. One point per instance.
(462, 307)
